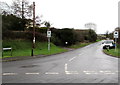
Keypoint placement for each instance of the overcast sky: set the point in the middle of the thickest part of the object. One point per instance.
(76, 13)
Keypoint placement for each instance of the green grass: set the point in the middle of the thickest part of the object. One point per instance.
(98, 40)
(112, 52)
(79, 45)
(23, 48)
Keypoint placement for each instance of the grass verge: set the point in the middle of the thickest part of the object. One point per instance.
(79, 45)
(24, 48)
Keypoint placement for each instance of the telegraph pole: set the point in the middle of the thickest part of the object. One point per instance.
(22, 9)
(23, 22)
(33, 45)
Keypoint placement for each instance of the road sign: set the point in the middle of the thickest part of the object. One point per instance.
(48, 33)
(116, 34)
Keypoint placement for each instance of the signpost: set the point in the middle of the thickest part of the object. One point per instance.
(116, 36)
(48, 35)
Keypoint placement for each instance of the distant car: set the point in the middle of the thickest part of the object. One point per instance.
(108, 44)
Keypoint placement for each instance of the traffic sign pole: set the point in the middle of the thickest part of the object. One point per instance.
(49, 43)
(115, 37)
(115, 44)
(48, 35)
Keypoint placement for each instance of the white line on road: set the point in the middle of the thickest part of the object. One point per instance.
(91, 73)
(71, 72)
(101, 71)
(66, 67)
(72, 58)
(6, 74)
(88, 71)
(51, 73)
(32, 73)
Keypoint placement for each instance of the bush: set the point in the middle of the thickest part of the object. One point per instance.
(60, 36)
(92, 36)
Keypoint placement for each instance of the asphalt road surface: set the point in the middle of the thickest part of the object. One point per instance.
(85, 65)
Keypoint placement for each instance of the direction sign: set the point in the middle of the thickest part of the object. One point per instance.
(116, 34)
(48, 33)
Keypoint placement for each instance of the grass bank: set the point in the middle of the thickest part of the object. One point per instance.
(23, 48)
(112, 52)
(79, 45)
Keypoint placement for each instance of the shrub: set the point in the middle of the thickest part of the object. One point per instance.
(60, 36)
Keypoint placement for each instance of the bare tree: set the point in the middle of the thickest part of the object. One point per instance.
(5, 9)
(22, 8)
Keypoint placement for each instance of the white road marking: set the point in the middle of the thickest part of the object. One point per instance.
(101, 71)
(87, 73)
(51, 73)
(6, 74)
(32, 73)
(71, 72)
(84, 71)
(72, 58)
(90, 72)
(66, 67)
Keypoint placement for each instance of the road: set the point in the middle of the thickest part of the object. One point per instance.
(85, 65)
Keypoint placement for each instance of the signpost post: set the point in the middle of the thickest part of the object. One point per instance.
(115, 36)
(48, 35)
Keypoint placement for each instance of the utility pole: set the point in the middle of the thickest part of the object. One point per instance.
(22, 9)
(23, 14)
(33, 45)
